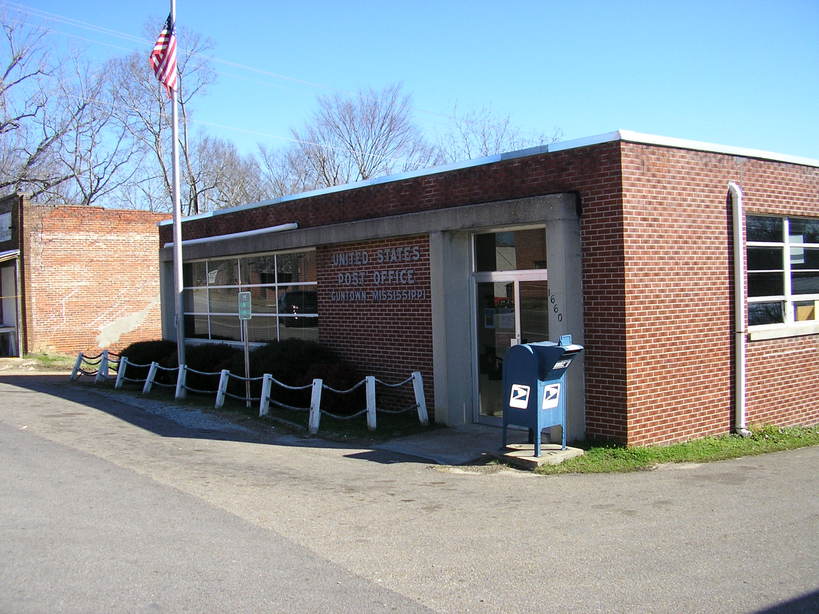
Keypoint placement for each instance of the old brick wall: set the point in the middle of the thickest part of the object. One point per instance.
(679, 303)
(91, 278)
(374, 304)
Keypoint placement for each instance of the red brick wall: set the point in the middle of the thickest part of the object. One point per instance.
(90, 275)
(782, 373)
(593, 172)
(657, 278)
(374, 304)
(679, 297)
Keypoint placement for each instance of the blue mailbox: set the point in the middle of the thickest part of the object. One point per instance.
(534, 386)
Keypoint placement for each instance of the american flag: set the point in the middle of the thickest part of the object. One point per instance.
(163, 57)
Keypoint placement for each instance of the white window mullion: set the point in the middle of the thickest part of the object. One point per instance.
(516, 294)
(786, 263)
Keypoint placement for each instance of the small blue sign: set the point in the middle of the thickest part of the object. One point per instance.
(245, 310)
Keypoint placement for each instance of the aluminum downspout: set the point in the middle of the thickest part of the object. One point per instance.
(740, 329)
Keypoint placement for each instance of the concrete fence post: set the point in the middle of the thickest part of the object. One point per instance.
(102, 370)
(370, 387)
(264, 398)
(123, 365)
(315, 406)
(224, 378)
(180, 382)
(75, 372)
(420, 400)
(149, 381)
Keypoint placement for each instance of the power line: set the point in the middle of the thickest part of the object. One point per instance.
(49, 16)
(234, 66)
(78, 23)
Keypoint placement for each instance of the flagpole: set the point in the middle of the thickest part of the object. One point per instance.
(179, 309)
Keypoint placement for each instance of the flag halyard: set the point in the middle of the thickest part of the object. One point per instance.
(163, 57)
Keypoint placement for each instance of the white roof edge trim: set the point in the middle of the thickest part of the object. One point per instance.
(607, 137)
(9, 254)
(745, 152)
(237, 235)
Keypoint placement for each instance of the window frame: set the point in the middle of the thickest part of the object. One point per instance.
(280, 288)
(789, 326)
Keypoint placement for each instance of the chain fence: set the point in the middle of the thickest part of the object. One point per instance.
(99, 366)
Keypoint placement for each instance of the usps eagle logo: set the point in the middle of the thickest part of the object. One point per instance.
(519, 397)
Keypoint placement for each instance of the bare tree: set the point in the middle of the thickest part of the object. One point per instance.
(142, 107)
(226, 178)
(98, 153)
(28, 133)
(372, 133)
(482, 132)
(358, 137)
(285, 171)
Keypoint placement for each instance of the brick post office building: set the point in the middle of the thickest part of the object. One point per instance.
(76, 278)
(626, 241)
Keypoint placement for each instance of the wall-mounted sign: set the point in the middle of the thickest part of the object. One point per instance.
(370, 275)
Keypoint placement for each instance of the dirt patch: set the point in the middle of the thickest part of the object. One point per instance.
(29, 366)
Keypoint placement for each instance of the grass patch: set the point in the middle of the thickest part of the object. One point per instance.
(612, 458)
(52, 361)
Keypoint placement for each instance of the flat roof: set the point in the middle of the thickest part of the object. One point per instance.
(617, 135)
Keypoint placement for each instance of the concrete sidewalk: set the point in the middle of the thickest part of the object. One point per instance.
(475, 444)
(451, 446)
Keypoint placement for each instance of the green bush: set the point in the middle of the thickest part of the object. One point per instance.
(208, 358)
(294, 362)
(297, 362)
(146, 352)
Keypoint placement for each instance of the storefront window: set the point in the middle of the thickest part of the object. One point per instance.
(283, 297)
(515, 250)
(259, 270)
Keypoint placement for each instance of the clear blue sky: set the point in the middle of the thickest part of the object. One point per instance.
(742, 73)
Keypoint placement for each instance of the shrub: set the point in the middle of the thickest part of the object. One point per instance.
(297, 362)
(208, 358)
(294, 362)
(146, 352)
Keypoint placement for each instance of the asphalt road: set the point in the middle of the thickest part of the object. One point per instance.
(109, 506)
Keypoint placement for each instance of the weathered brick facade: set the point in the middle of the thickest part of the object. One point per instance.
(386, 331)
(89, 276)
(657, 281)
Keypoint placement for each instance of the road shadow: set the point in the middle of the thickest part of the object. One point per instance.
(165, 418)
(806, 604)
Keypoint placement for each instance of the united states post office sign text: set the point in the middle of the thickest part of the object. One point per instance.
(371, 275)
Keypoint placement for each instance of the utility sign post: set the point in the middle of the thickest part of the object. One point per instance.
(245, 313)
(244, 306)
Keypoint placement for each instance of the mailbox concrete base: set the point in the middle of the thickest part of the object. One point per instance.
(523, 455)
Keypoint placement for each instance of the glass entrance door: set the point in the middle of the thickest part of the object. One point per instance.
(511, 308)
